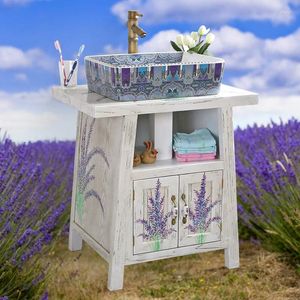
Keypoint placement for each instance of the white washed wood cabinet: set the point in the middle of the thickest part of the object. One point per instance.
(133, 215)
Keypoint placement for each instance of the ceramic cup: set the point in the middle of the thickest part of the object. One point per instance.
(68, 67)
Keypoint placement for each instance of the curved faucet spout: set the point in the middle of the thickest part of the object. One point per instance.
(139, 31)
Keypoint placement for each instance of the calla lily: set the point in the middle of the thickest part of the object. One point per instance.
(210, 38)
(195, 35)
(203, 30)
(189, 41)
(179, 40)
(193, 42)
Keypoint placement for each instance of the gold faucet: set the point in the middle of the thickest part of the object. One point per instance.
(134, 31)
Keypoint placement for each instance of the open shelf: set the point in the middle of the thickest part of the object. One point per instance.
(188, 121)
(170, 167)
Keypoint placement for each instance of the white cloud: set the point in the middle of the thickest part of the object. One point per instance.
(213, 11)
(241, 50)
(35, 116)
(159, 42)
(273, 107)
(110, 49)
(272, 65)
(286, 46)
(15, 58)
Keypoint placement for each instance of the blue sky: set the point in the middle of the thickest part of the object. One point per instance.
(259, 40)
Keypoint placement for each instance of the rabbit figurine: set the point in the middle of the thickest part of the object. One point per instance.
(150, 154)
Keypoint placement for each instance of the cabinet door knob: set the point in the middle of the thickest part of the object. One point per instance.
(175, 210)
(175, 214)
(183, 198)
(186, 213)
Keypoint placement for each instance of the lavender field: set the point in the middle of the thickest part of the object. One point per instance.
(35, 193)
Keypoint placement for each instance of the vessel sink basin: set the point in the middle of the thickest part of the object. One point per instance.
(148, 76)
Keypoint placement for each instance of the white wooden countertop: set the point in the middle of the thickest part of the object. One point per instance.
(98, 106)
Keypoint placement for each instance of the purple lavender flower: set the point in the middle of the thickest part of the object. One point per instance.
(258, 150)
(35, 193)
(200, 217)
(156, 226)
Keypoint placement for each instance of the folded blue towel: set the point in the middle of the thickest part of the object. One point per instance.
(201, 138)
(202, 150)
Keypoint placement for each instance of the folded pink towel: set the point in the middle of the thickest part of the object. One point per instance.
(195, 156)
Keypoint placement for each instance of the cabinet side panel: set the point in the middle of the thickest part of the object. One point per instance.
(97, 161)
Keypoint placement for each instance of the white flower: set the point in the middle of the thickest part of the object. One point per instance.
(195, 35)
(179, 40)
(189, 41)
(210, 38)
(203, 30)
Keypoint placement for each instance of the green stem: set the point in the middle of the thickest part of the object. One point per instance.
(156, 245)
(200, 237)
(79, 205)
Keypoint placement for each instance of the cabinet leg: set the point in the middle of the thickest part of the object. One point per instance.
(115, 277)
(75, 240)
(230, 218)
(232, 259)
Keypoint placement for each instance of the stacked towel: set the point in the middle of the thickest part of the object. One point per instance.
(198, 145)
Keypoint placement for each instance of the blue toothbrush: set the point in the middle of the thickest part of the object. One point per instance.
(75, 63)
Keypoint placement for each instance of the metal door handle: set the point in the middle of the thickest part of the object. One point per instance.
(185, 209)
(175, 210)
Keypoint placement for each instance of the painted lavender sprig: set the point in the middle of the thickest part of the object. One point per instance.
(200, 217)
(85, 170)
(156, 225)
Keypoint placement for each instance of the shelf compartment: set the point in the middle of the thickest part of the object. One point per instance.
(170, 167)
(157, 128)
(188, 121)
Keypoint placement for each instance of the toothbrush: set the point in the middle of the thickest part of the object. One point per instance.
(58, 48)
(75, 63)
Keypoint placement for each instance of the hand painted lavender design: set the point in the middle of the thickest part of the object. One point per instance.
(200, 218)
(156, 226)
(85, 172)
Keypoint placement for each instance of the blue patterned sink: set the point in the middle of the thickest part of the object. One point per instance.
(147, 76)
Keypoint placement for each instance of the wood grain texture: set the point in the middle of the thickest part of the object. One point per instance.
(162, 132)
(170, 167)
(230, 221)
(120, 202)
(104, 135)
(98, 106)
(75, 240)
(151, 256)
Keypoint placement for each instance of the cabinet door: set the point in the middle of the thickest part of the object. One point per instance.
(155, 214)
(200, 208)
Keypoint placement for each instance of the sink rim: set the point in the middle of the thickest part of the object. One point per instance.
(203, 59)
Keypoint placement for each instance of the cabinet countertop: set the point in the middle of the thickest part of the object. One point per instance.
(98, 106)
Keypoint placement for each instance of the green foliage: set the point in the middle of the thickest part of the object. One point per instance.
(280, 231)
(277, 225)
(175, 47)
(22, 283)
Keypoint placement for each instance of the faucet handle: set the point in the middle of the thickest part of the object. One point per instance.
(134, 14)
